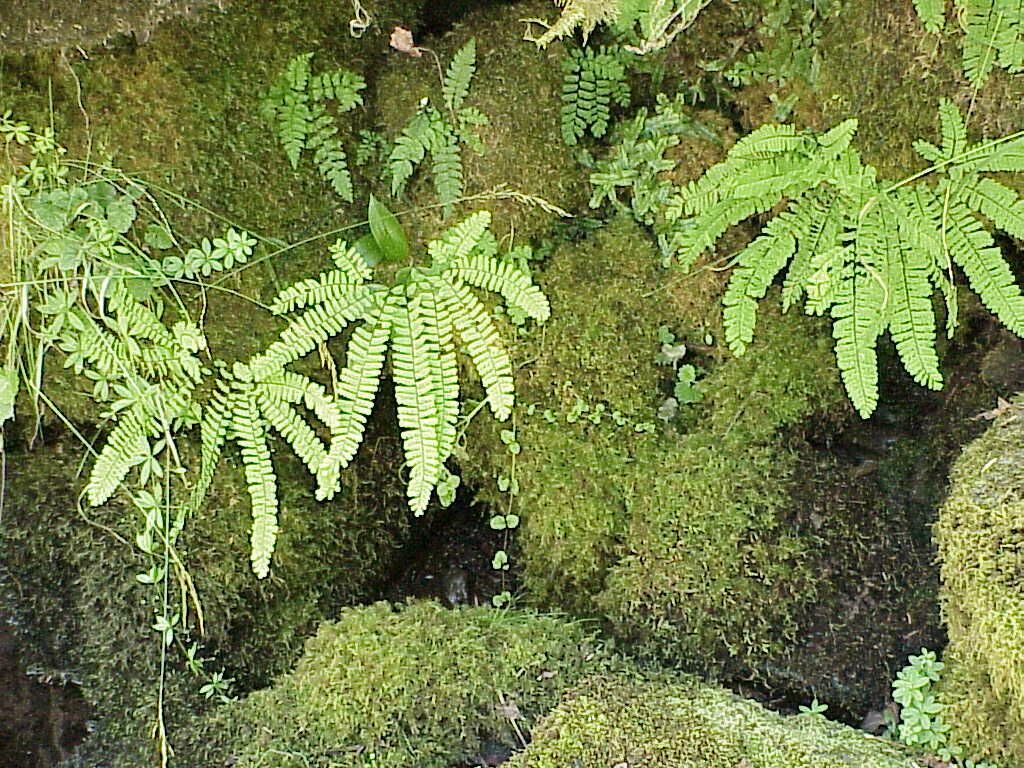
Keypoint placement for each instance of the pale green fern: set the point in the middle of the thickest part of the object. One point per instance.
(645, 25)
(868, 252)
(419, 318)
(593, 82)
(297, 105)
(441, 135)
(993, 34)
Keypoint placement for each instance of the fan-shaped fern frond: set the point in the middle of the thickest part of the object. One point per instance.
(993, 31)
(869, 253)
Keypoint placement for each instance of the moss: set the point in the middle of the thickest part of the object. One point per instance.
(414, 685)
(679, 538)
(519, 88)
(678, 723)
(980, 541)
(72, 580)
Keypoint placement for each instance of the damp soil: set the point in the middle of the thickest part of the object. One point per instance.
(42, 717)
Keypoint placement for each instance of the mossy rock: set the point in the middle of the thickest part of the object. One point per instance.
(678, 536)
(416, 684)
(519, 88)
(980, 540)
(70, 582)
(676, 722)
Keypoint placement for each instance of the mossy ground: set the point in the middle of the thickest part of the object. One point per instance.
(415, 684)
(677, 722)
(979, 538)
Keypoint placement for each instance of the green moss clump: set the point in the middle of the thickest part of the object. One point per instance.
(981, 541)
(519, 89)
(418, 685)
(71, 581)
(676, 722)
(679, 537)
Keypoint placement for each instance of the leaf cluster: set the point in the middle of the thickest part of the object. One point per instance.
(297, 106)
(868, 252)
(441, 134)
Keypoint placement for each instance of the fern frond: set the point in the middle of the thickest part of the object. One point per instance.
(341, 86)
(446, 167)
(436, 309)
(357, 383)
(415, 369)
(513, 284)
(821, 219)
(293, 122)
(489, 356)
(701, 233)
(997, 202)
(332, 163)
(953, 130)
(932, 14)
(998, 156)
(988, 273)
(275, 397)
(318, 323)
(912, 320)
(246, 427)
(459, 241)
(410, 148)
(350, 262)
(758, 265)
(213, 432)
(857, 315)
(126, 446)
(593, 81)
(455, 86)
(985, 25)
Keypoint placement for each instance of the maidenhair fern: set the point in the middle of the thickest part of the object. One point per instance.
(594, 80)
(646, 25)
(419, 318)
(297, 105)
(993, 33)
(441, 135)
(866, 251)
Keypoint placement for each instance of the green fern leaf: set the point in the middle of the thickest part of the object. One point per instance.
(410, 148)
(758, 265)
(455, 86)
(932, 14)
(414, 368)
(275, 397)
(985, 25)
(126, 446)
(247, 428)
(593, 81)
(446, 167)
(583, 15)
(998, 156)
(213, 432)
(857, 315)
(988, 273)
(821, 218)
(491, 360)
(997, 202)
(514, 286)
(459, 241)
(953, 130)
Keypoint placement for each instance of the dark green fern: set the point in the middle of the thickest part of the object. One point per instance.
(297, 104)
(869, 252)
(440, 135)
(594, 80)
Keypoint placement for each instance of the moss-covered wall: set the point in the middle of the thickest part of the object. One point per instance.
(679, 723)
(416, 684)
(981, 538)
(677, 536)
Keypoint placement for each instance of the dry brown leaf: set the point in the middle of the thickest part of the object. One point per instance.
(401, 40)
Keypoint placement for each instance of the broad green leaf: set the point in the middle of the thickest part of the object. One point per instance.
(387, 231)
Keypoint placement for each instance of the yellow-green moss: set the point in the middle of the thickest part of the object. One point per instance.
(676, 722)
(418, 685)
(981, 541)
(519, 88)
(678, 537)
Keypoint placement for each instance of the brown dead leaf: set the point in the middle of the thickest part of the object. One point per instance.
(401, 40)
